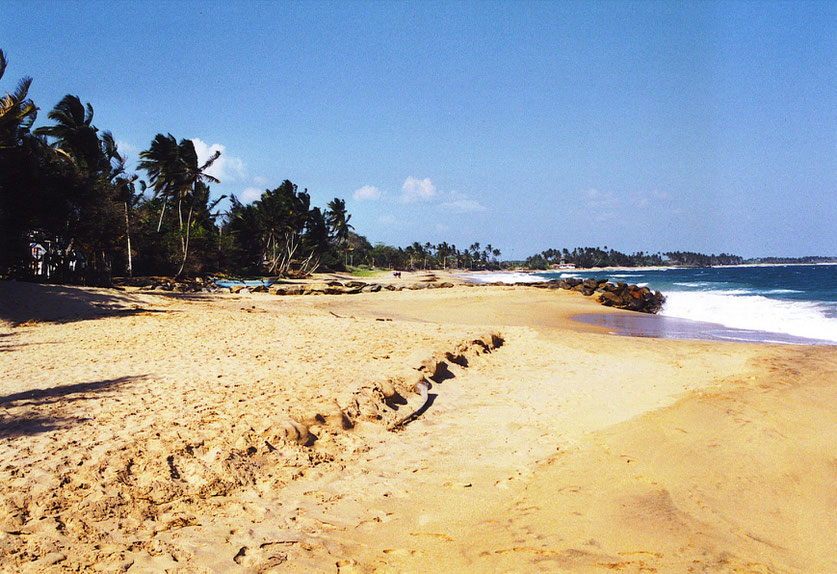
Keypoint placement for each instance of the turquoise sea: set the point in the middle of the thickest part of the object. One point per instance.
(775, 303)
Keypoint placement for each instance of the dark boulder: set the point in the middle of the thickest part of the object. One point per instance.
(632, 298)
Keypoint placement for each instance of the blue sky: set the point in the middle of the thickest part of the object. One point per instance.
(702, 126)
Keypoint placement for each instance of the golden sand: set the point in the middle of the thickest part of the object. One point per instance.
(155, 431)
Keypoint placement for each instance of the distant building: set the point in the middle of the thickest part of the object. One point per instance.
(38, 253)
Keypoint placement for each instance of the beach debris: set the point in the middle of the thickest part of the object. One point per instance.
(422, 388)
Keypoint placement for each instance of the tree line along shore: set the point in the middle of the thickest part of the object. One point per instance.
(71, 211)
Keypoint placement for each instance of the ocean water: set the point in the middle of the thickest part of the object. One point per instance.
(776, 303)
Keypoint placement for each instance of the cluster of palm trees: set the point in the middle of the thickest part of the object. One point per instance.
(425, 256)
(65, 185)
(587, 257)
(282, 234)
(61, 180)
(177, 178)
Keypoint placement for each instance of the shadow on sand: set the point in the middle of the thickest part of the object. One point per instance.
(22, 302)
(31, 422)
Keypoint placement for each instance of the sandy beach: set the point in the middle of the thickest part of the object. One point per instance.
(157, 431)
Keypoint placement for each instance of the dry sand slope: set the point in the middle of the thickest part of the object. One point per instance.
(151, 432)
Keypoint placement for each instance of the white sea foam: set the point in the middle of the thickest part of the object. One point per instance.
(734, 309)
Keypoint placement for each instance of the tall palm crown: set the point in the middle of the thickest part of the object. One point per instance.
(17, 111)
(338, 220)
(194, 173)
(161, 161)
(173, 167)
(76, 136)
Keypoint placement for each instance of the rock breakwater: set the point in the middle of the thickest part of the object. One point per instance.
(619, 295)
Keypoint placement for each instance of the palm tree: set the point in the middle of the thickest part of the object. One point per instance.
(280, 232)
(196, 178)
(17, 111)
(442, 253)
(338, 222)
(161, 162)
(175, 174)
(75, 135)
(126, 193)
(95, 164)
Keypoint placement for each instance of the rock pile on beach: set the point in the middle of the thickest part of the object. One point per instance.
(619, 295)
(196, 285)
(349, 287)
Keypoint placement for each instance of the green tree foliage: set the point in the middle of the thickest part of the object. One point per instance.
(691, 259)
(587, 257)
(177, 178)
(337, 219)
(358, 249)
(17, 111)
(74, 135)
(430, 256)
(56, 188)
(65, 184)
(280, 233)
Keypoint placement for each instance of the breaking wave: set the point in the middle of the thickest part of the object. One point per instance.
(734, 308)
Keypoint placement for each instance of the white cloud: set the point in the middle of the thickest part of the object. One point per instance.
(367, 192)
(226, 167)
(387, 219)
(250, 194)
(127, 149)
(600, 206)
(650, 198)
(259, 180)
(596, 199)
(464, 206)
(417, 190)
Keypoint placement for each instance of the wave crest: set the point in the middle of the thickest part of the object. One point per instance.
(754, 312)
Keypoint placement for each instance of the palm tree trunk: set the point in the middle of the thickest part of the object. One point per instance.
(162, 211)
(185, 242)
(128, 234)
